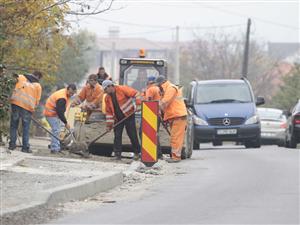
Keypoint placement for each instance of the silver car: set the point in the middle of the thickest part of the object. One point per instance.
(273, 125)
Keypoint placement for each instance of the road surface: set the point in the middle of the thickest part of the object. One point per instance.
(224, 185)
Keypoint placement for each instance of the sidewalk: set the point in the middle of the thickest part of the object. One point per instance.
(30, 182)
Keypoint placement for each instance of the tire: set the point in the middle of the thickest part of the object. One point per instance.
(184, 153)
(196, 145)
(293, 142)
(217, 143)
(256, 143)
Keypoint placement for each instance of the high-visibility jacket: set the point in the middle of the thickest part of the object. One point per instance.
(153, 93)
(92, 95)
(172, 101)
(126, 97)
(27, 95)
(50, 106)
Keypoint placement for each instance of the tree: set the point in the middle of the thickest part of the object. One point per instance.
(220, 57)
(78, 56)
(289, 91)
(32, 32)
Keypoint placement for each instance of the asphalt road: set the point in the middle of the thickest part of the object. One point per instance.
(224, 185)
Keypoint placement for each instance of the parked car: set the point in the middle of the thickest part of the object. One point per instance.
(224, 110)
(273, 126)
(292, 134)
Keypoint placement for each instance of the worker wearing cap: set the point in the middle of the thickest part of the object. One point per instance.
(152, 92)
(92, 94)
(119, 104)
(24, 100)
(175, 113)
(54, 111)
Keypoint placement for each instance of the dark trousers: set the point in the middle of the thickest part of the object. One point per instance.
(129, 124)
(17, 114)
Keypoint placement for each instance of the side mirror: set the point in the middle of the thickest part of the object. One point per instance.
(287, 113)
(260, 101)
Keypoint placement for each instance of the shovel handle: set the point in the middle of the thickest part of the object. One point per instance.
(118, 123)
(45, 129)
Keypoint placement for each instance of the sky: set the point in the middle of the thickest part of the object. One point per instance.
(272, 21)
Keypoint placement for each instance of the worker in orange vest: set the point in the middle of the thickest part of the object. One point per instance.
(24, 100)
(175, 113)
(92, 94)
(119, 104)
(54, 111)
(152, 92)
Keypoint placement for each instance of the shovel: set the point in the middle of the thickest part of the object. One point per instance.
(74, 147)
(106, 132)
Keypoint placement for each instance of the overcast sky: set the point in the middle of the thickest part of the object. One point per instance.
(272, 21)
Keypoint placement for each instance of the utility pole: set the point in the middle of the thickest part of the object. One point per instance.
(177, 63)
(113, 35)
(246, 50)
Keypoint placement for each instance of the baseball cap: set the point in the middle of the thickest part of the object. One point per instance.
(106, 83)
(160, 79)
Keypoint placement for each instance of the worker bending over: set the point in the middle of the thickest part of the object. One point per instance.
(92, 94)
(119, 104)
(54, 111)
(175, 113)
(24, 100)
(152, 92)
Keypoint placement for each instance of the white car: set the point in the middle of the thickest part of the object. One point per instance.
(273, 125)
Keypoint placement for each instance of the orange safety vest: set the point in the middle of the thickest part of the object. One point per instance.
(92, 95)
(125, 97)
(152, 93)
(26, 94)
(175, 106)
(50, 106)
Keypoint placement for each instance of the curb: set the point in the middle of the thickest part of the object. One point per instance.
(75, 191)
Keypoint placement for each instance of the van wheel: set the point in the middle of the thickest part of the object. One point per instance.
(292, 143)
(184, 153)
(253, 143)
(196, 145)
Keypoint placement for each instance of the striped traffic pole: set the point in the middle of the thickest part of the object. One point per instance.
(149, 132)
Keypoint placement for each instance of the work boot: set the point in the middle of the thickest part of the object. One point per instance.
(136, 156)
(26, 150)
(172, 160)
(117, 156)
(11, 147)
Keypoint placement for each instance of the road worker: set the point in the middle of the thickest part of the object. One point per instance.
(54, 111)
(24, 100)
(175, 113)
(92, 94)
(119, 104)
(102, 75)
(152, 92)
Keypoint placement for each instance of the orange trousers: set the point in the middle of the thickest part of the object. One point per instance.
(178, 127)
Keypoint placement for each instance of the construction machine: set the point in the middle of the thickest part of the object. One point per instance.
(134, 73)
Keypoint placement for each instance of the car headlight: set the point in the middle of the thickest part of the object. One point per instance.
(252, 120)
(199, 121)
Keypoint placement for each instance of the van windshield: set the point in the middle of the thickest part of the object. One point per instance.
(223, 93)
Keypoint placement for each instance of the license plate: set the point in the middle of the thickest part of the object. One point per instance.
(226, 131)
(267, 134)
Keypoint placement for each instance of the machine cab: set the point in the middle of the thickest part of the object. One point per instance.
(134, 71)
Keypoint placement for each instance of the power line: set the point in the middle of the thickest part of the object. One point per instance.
(166, 27)
(252, 17)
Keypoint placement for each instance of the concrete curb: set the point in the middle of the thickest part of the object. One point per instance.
(75, 191)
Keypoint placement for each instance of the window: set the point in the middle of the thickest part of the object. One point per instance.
(136, 76)
(223, 93)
